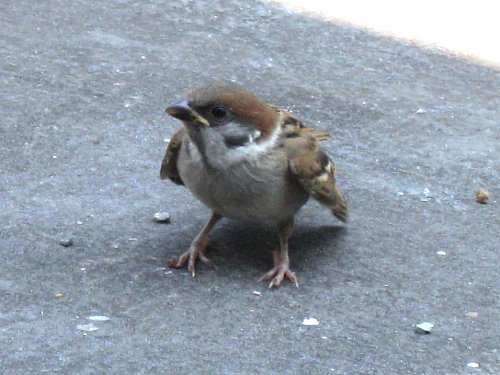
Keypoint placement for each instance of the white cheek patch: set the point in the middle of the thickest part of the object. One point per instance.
(253, 149)
(236, 135)
(226, 147)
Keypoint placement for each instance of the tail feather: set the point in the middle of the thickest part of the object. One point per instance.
(330, 196)
(340, 208)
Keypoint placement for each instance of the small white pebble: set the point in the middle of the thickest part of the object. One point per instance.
(166, 140)
(98, 318)
(425, 327)
(79, 222)
(310, 322)
(473, 365)
(132, 239)
(441, 253)
(82, 269)
(87, 327)
(256, 293)
(162, 217)
(421, 110)
(401, 193)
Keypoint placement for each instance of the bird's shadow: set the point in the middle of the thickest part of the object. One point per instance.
(243, 246)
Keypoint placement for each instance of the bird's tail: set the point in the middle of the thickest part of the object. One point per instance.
(329, 195)
(339, 209)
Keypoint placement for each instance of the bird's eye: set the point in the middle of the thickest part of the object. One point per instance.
(218, 112)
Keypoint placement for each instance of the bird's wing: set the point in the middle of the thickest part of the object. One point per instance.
(311, 166)
(169, 163)
(291, 124)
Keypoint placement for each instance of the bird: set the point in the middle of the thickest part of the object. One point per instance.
(250, 161)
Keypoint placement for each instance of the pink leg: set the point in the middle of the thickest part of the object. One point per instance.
(197, 249)
(281, 267)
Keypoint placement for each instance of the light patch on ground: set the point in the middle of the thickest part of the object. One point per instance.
(470, 28)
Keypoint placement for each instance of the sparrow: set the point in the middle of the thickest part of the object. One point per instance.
(250, 161)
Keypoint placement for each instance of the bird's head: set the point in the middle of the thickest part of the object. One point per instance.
(225, 115)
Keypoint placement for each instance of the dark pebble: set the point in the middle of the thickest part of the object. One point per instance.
(66, 242)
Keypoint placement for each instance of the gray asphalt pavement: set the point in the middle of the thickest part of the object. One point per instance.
(83, 87)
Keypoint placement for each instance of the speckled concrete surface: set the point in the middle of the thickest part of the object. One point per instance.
(415, 132)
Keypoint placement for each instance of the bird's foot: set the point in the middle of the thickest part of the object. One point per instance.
(280, 271)
(196, 251)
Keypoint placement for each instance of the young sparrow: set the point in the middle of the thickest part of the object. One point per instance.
(247, 160)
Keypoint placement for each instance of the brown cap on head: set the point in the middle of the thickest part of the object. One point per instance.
(243, 104)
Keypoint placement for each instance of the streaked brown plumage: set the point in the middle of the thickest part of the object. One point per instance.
(248, 160)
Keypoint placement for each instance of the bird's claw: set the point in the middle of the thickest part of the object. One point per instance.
(190, 257)
(277, 276)
(279, 272)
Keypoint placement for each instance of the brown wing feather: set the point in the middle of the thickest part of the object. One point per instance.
(169, 163)
(291, 124)
(311, 166)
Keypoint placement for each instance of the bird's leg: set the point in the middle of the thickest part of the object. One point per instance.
(281, 261)
(197, 249)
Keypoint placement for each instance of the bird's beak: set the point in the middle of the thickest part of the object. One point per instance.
(184, 112)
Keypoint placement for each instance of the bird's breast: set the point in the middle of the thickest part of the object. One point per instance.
(256, 189)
